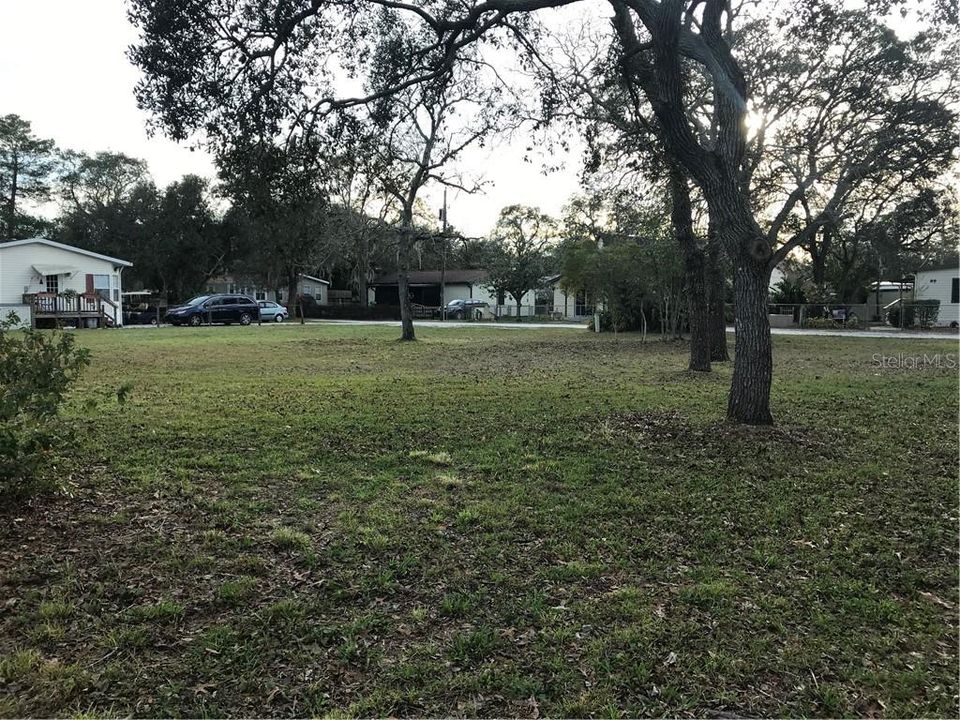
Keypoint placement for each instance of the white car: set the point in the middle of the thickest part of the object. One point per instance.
(272, 311)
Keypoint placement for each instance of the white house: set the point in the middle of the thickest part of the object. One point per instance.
(941, 282)
(553, 300)
(47, 282)
(548, 300)
(425, 287)
(316, 287)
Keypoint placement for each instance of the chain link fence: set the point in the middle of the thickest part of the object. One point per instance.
(906, 314)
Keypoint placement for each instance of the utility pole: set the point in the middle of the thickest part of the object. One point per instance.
(443, 258)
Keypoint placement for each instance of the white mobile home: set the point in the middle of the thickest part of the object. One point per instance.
(941, 282)
(47, 282)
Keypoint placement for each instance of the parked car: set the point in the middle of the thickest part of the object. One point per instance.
(143, 314)
(272, 312)
(467, 308)
(220, 308)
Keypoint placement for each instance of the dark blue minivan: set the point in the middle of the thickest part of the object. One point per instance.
(219, 308)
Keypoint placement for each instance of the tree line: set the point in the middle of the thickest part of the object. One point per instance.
(272, 224)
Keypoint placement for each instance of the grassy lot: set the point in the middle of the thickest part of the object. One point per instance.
(320, 520)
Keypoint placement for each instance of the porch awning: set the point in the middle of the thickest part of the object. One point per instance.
(54, 269)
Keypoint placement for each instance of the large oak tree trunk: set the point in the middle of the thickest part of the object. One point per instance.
(749, 400)
(718, 170)
(403, 287)
(716, 291)
(749, 252)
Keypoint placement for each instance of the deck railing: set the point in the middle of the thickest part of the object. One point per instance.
(80, 305)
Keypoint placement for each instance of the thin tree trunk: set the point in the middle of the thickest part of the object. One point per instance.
(292, 295)
(697, 311)
(716, 291)
(12, 202)
(364, 268)
(694, 273)
(407, 332)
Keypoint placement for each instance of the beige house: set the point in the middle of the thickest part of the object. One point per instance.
(318, 288)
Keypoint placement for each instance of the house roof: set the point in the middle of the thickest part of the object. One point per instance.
(432, 277)
(68, 248)
(315, 279)
(242, 278)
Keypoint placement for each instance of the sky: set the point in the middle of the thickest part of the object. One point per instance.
(63, 67)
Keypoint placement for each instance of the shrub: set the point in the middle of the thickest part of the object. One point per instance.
(926, 312)
(820, 323)
(36, 371)
(788, 292)
(825, 323)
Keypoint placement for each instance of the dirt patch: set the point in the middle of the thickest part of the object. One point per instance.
(659, 426)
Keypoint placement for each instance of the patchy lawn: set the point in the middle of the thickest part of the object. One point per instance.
(320, 520)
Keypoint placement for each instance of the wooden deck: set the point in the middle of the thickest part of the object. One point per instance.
(69, 309)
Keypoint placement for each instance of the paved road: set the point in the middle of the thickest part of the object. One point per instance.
(891, 333)
(396, 323)
(456, 324)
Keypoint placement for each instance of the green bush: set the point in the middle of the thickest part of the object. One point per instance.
(820, 323)
(36, 370)
(893, 315)
(922, 313)
(828, 323)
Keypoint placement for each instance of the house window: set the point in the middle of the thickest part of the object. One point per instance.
(53, 284)
(261, 295)
(955, 291)
(106, 286)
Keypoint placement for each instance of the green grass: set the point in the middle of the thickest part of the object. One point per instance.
(322, 521)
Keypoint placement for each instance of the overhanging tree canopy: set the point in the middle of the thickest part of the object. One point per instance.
(225, 67)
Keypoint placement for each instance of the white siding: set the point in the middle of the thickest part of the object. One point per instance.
(317, 289)
(17, 275)
(938, 285)
(22, 312)
(465, 291)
